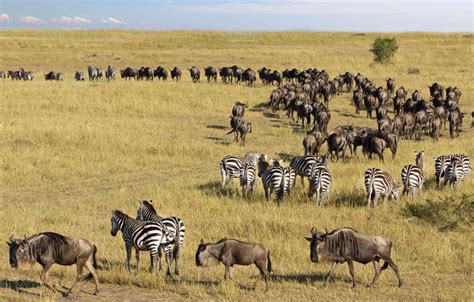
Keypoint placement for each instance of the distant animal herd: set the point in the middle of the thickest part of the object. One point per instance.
(309, 93)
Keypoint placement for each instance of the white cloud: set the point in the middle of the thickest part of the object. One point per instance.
(4, 17)
(32, 20)
(112, 20)
(71, 20)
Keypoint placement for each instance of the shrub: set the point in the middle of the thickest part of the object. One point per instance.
(384, 49)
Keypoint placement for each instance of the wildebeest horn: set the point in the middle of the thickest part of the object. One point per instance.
(326, 230)
(313, 231)
(151, 200)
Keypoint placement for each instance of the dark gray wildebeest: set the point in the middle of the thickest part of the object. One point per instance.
(231, 252)
(49, 248)
(391, 85)
(455, 122)
(347, 245)
(176, 74)
(195, 74)
(240, 129)
(210, 73)
(313, 142)
(79, 76)
(239, 109)
(50, 76)
(128, 73)
(161, 73)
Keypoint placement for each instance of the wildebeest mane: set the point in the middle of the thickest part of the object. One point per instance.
(41, 243)
(342, 242)
(344, 228)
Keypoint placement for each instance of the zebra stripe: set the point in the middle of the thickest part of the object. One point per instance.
(230, 167)
(174, 225)
(441, 163)
(465, 162)
(248, 178)
(142, 235)
(455, 173)
(379, 183)
(413, 176)
(320, 183)
(303, 164)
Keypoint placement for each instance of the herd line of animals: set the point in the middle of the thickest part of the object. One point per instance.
(308, 93)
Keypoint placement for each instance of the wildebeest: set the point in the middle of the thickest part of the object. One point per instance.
(210, 73)
(347, 245)
(369, 102)
(128, 73)
(391, 85)
(79, 76)
(161, 73)
(232, 252)
(455, 122)
(336, 143)
(239, 109)
(313, 142)
(226, 74)
(176, 74)
(373, 144)
(249, 76)
(195, 74)
(50, 76)
(240, 128)
(145, 73)
(49, 248)
(358, 98)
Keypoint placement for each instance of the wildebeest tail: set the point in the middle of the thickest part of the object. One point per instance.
(269, 262)
(233, 130)
(94, 262)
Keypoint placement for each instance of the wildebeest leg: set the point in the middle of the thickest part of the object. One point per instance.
(377, 272)
(395, 269)
(227, 272)
(351, 270)
(91, 269)
(80, 266)
(331, 271)
(45, 278)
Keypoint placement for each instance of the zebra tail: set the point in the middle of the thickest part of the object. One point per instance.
(269, 263)
(281, 192)
(370, 189)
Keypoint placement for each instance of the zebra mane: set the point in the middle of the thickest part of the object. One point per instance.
(119, 214)
(147, 204)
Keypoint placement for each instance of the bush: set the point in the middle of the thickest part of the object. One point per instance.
(447, 214)
(383, 49)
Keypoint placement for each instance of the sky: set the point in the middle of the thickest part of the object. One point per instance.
(242, 15)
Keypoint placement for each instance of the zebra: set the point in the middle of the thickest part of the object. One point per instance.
(303, 164)
(143, 236)
(379, 183)
(413, 176)
(92, 73)
(110, 73)
(230, 166)
(319, 182)
(465, 162)
(275, 178)
(441, 163)
(175, 226)
(248, 178)
(454, 173)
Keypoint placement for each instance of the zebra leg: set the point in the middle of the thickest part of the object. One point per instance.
(137, 256)
(159, 259)
(151, 263)
(168, 259)
(266, 193)
(129, 255)
(177, 248)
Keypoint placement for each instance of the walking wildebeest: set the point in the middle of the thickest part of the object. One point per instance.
(239, 109)
(195, 74)
(230, 252)
(240, 128)
(49, 248)
(347, 245)
(176, 74)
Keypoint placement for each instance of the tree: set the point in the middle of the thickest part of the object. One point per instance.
(384, 49)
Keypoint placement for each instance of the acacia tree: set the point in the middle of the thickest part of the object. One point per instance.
(384, 49)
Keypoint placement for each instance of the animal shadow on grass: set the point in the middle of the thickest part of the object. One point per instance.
(214, 188)
(20, 285)
(220, 127)
(300, 278)
(359, 116)
(218, 140)
(206, 283)
(270, 115)
(259, 107)
(353, 199)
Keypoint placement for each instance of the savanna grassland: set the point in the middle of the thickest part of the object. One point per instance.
(72, 152)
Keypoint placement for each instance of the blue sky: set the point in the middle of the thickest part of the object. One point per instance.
(245, 15)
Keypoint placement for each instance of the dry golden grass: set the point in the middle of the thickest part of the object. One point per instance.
(71, 152)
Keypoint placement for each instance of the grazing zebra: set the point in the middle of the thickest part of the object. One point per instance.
(275, 178)
(465, 162)
(441, 163)
(379, 183)
(175, 226)
(143, 236)
(230, 166)
(454, 173)
(303, 164)
(319, 182)
(413, 176)
(248, 178)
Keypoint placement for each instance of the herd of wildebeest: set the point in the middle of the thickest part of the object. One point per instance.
(308, 93)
